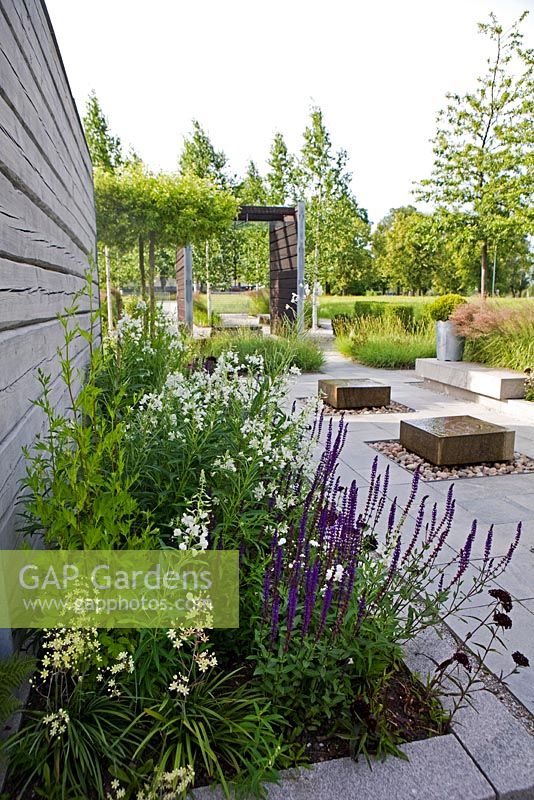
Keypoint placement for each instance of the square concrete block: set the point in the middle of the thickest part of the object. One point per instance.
(436, 769)
(354, 392)
(457, 440)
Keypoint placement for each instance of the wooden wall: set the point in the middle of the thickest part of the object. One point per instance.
(47, 229)
(283, 269)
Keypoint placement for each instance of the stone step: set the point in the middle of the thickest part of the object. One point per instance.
(501, 384)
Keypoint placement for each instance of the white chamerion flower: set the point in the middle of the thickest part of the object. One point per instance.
(259, 491)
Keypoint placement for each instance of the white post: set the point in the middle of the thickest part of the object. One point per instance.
(315, 277)
(108, 289)
(188, 276)
(208, 285)
(301, 256)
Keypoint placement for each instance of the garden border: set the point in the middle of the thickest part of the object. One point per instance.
(487, 756)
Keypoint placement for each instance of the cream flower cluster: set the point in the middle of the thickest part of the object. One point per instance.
(169, 785)
(56, 722)
(68, 650)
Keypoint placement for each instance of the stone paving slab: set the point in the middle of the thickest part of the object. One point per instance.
(438, 769)
(499, 744)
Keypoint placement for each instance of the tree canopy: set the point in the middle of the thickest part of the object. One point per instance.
(482, 182)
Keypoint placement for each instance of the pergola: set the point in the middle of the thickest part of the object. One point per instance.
(286, 264)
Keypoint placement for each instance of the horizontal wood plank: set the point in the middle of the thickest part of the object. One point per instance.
(22, 157)
(26, 86)
(28, 234)
(31, 294)
(23, 435)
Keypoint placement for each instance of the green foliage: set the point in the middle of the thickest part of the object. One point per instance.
(408, 253)
(14, 670)
(165, 446)
(385, 342)
(342, 324)
(73, 763)
(442, 307)
(279, 353)
(482, 178)
(281, 176)
(225, 730)
(337, 230)
(105, 149)
(315, 682)
(259, 302)
(200, 158)
(404, 312)
(77, 485)
(131, 365)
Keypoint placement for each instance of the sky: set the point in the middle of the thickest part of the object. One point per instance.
(378, 69)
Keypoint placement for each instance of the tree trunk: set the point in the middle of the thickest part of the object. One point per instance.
(151, 277)
(142, 267)
(483, 269)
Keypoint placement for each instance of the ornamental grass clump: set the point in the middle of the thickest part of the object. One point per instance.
(386, 342)
(497, 335)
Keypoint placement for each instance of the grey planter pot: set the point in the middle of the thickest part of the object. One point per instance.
(449, 346)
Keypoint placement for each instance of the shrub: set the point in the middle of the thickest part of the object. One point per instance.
(369, 308)
(442, 307)
(405, 312)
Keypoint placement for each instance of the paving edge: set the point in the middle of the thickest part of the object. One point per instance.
(488, 756)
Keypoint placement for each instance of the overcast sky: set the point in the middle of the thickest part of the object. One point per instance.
(379, 69)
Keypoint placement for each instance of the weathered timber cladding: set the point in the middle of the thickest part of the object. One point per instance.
(47, 231)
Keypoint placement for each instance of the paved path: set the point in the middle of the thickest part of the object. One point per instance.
(503, 500)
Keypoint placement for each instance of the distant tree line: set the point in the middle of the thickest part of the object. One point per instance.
(476, 238)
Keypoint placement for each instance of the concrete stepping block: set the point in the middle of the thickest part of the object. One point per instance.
(446, 441)
(354, 392)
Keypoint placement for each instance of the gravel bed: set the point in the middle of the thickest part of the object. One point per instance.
(393, 449)
(393, 408)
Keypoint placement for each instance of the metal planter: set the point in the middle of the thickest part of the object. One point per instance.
(449, 346)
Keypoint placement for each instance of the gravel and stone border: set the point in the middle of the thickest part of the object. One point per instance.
(393, 449)
(392, 408)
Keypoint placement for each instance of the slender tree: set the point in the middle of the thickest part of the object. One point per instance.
(199, 157)
(484, 148)
(105, 149)
(281, 189)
